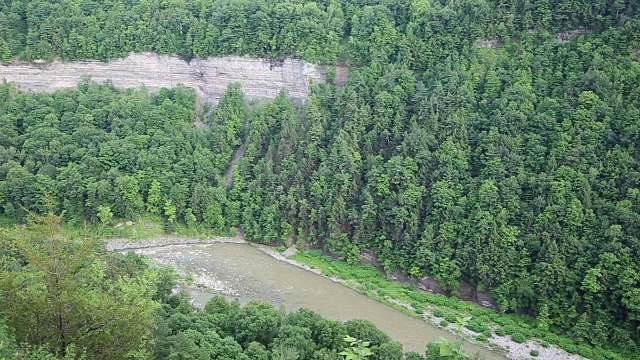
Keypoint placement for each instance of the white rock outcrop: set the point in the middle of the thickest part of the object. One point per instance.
(259, 78)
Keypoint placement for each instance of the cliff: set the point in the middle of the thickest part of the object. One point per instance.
(259, 78)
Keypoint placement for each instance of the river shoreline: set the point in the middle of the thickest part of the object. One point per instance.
(119, 244)
(503, 345)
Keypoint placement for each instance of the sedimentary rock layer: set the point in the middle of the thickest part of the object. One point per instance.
(259, 78)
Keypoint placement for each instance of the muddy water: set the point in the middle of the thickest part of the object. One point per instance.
(244, 272)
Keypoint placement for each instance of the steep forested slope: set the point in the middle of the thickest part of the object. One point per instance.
(510, 163)
(515, 170)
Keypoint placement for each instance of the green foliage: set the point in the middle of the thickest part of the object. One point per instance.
(477, 326)
(451, 317)
(105, 215)
(257, 351)
(534, 353)
(154, 197)
(83, 298)
(449, 350)
(389, 351)
(518, 337)
(5, 52)
(472, 143)
(223, 326)
(357, 349)
(364, 329)
(413, 356)
(116, 28)
(7, 349)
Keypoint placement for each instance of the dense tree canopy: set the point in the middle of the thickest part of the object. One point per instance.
(490, 142)
(414, 33)
(515, 170)
(66, 296)
(98, 148)
(225, 330)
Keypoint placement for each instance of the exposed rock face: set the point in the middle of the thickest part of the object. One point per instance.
(259, 78)
(432, 285)
(368, 256)
(566, 36)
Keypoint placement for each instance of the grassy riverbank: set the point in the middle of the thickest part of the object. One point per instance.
(487, 323)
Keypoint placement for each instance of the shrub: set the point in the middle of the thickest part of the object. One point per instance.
(534, 353)
(571, 348)
(438, 313)
(518, 337)
(477, 312)
(564, 343)
(451, 317)
(501, 332)
(281, 248)
(504, 320)
(477, 326)
(527, 333)
(444, 323)
(508, 329)
(586, 351)
(481, 337)
(487, 333)
(544, 344)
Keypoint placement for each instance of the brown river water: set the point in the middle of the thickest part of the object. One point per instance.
(244, 272)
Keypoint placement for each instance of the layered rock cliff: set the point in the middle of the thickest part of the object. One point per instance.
(259, 78)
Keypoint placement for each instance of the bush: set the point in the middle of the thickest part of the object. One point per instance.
(477, 312)
(544, 344)
(504, 320)
(281, 248)
(477, 326)
(487, 333)
(451, 317)
(586, 351)
(438, 313)
(534, 353)
(501, 332)
(444, 323)
(571, 348)
(508, 329)
(518, 337)
(481, 337)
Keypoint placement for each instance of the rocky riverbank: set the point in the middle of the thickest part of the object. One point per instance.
(120, 244)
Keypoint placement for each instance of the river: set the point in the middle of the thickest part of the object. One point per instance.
(244, 272)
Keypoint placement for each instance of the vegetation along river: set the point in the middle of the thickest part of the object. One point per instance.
(244, 272)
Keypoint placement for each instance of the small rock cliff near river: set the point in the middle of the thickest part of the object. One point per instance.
(259, 78)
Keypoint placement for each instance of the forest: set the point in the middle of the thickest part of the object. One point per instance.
(493, 143)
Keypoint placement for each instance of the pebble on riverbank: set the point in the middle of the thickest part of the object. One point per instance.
(125, 244)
